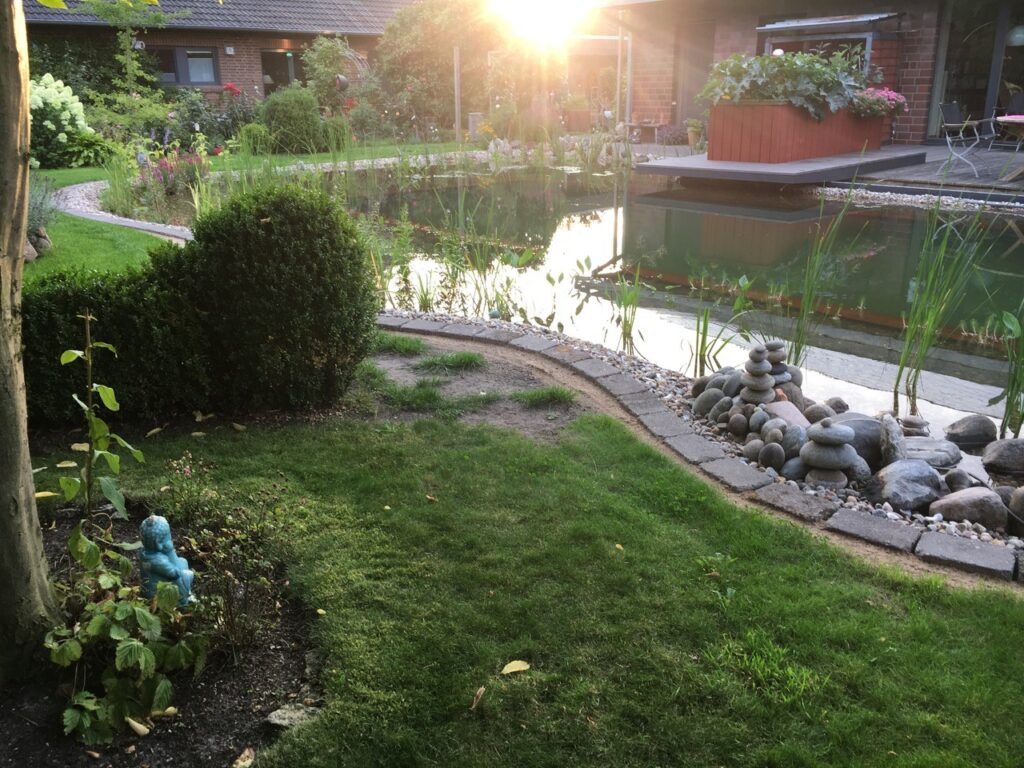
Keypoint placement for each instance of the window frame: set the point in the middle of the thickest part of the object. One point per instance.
(181, 74)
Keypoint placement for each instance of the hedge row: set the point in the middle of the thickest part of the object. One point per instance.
(270, 306)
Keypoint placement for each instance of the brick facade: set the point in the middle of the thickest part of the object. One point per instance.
(669, 34)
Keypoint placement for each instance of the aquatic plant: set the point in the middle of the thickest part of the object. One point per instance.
(1013, 341)
(625, 302)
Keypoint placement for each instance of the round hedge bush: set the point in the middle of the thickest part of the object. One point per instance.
(293, 118)
(283, 284)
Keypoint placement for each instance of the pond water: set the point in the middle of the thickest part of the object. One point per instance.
(698, 249)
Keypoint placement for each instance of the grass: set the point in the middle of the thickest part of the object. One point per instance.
(63, 177)
(84, 244)
(424, 397)
(545, 397)
(663, 625)
(451, 362)
(395, 344)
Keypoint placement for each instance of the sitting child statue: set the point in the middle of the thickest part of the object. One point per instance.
(159, 562)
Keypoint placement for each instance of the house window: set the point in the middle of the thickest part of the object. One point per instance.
(186, 66)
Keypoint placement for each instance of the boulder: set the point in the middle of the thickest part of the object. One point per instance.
(788, 412)
(1015, 524)
(793, 441)
(733, 384)
(1005, 457)
(773, 436)
(892, 444)
(867, 437)
(705, 401)
(291, 715)
(772, 455)
(974, 431)
(779, 424)
(958, 480)
(905, 484)
(753, 449)
(794, 469)
(798, 376)
(837, 404)
(975, 505)
(940, 454)
(833, 457)
(832, 479)
(859, 471)
(30, 252)
(817, 412)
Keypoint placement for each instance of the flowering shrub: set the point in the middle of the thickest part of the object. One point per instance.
(174, 173)
(878, 102)
(57, 120)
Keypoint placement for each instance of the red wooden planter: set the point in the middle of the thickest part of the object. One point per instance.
(778, 132)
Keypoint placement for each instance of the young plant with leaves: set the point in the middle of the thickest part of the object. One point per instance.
(101, 441)
(1012, 334)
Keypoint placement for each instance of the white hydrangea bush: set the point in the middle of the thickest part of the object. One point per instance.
(58, 120)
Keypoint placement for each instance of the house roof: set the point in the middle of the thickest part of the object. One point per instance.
(341, 17)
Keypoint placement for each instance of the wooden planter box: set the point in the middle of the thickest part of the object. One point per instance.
(578, 121)
(778, 132)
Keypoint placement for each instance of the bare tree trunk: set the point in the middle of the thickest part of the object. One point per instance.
(27, 605)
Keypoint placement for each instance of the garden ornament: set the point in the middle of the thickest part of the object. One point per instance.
(159, 562)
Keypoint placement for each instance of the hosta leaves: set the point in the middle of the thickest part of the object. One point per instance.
(131, 653)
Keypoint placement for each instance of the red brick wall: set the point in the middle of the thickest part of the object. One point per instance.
(244, 68)
(907, 58)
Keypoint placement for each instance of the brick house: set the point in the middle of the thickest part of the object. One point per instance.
(251, 43)
(932, 51)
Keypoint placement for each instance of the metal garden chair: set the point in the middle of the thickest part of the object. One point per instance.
(964, 136)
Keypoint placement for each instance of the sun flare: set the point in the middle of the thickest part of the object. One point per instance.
(547, 24)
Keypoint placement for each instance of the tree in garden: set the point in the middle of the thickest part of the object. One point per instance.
(27, 605)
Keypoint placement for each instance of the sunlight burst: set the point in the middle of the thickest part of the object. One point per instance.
(547, 24)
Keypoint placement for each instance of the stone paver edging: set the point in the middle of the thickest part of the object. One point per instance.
(612, 372)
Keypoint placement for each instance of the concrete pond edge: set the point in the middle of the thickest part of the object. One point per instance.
(615, 374)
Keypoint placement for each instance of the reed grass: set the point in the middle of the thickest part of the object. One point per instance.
(1013, 341)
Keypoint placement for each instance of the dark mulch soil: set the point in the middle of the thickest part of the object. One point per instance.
(219, 715)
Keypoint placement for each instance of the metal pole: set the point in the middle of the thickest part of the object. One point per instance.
(458, 98)
(618, 78)
(629, 77)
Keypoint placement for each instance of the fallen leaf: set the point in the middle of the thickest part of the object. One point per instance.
(93, 755)
(321, 612)
(515, 666)
(45, 494)
(476, 699)
(130, 749)
(170, 712)
(154, 431)
(164, 488)
(139, 728)
(620, 548)
(67, 465)
(80, 447)
(432, 499)
(387, 507)
(245, 759)
(198, 434)
(238, 427)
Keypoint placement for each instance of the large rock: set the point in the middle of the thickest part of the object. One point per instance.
(29, 253)
(705, 401)
(975, 505)
(974, 431)
(906, 484)
(788, 412)
(1005, 457)
(940, 454)
(1015, 523)
(867, 437)
(891, 441)
(291, 715)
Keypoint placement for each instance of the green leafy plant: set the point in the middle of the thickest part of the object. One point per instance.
(293, 119)
(101, 442)
(120, 646)
(1012, 334)
(544, 397)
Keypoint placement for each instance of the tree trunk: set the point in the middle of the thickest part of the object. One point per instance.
(27, 604)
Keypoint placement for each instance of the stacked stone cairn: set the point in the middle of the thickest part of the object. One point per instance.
(828, 454)
(758, 383)
(777, 357)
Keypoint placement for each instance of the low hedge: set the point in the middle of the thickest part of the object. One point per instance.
(270, 306)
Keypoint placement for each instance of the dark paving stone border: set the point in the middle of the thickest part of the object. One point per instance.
(736, 475)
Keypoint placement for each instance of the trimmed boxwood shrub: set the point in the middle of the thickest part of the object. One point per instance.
(270, 306)
(293, 118)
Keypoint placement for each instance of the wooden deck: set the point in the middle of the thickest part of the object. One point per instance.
(935, 176)
(813, 171)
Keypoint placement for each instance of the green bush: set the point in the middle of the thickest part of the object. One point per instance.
(58, 118)
(271, 306)
(282, 282)
(366, 121)
(255, 139)
(293, 119)
(337, 134)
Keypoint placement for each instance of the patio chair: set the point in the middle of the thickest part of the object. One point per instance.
(963, 136)
(1015, 106)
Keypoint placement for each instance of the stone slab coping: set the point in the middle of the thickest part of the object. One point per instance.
(461, 330)
(967, 555)
(533, 343)
(877, 530)
(593, 368)
(737, 475)
(643, 404)
(796, 502)
(664, 423)
(698, 450)
(621, 384)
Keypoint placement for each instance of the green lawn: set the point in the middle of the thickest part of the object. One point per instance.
(80, 243)
(663, 625)
(63, 177)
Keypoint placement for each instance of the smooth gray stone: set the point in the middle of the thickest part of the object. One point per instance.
(859, 471)
(771, 455)
(757, 383)
(565, 353)
(1005, 457)
(837, 404)
(867, 437)
(975, 505)
(796, 374)
(391, 321)
(757, 368)
(594, 368)
(461, 330)
(891, 442)
(621, 384)
(758, 419)
(733, 384)
(753, 449)
(699, 385)
(499, 335)
(941, 454)
(737, 475)
(664, 424)
(757, 396)
(424, 326)
(967, 554)
(793, 441)
(758, 352)
(796, 502)
(776, 356)
(705, 401)
(974, 431)
(773, 345)
(825, 432)
(291, 715)
(781, 377)
(907, 484)
(696, 449)
(794, 469)
(719, 409)
(717, 381)
(774, 423)
(958, 480)
(817, 412)
(1015, 521)
(795, 396)
(738, 425)
(877, 530)
(773, 436)
(643, 403)
(826, 478)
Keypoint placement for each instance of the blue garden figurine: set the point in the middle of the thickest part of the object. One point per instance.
(159, 562)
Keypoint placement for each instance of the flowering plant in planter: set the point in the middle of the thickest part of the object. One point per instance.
(878, 102)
